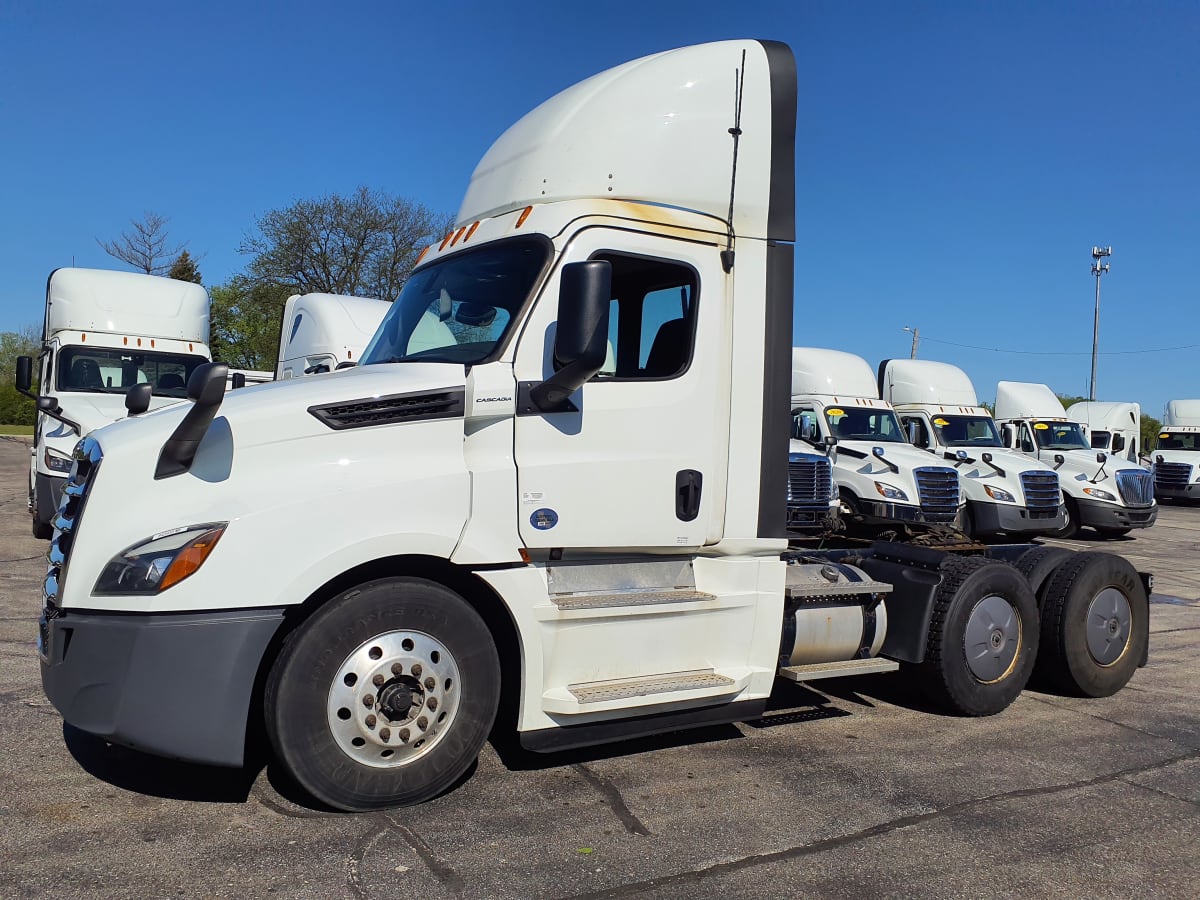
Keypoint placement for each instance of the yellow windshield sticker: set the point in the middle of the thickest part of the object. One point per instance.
(940, 422)
(835, 412)
(1040, 426)
(1165, 434)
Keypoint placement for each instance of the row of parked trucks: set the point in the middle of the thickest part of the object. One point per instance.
(554, 491)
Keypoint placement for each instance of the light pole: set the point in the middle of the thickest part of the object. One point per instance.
(1098, 269)
(916, 333)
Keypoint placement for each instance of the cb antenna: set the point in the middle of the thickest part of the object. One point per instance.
(739, 79)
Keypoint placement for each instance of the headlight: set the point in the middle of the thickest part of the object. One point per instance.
(56, 462)
(1098, 494)
(996, 494)
(160, 561)
(892, 493)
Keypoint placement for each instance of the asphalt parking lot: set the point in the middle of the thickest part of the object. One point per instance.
(851, 791)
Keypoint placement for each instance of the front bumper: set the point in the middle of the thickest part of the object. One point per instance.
(1098, 514)
(1009, 518)
(48, 492)
(881, 513)
(173, 685)
(1181, 492)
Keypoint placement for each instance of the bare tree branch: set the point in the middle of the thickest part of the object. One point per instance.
(145, 247)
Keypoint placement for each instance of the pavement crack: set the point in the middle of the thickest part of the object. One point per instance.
(440, 869)
(354, 861)
(23, 558)
(1161, 792)
(1092, 715)
(911, 821)
(612, 796)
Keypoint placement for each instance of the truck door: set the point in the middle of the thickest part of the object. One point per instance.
(640, 462)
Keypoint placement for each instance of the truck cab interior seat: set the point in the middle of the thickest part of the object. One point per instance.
(670, 350)
(85, 373)
(171, 382)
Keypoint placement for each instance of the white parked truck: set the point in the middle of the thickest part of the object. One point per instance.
(1114, 427)
(323, 332)
(1006, 492)
(1176, 457)
(880, 477)
(1101, 491)
(507, 526)
(104, 332)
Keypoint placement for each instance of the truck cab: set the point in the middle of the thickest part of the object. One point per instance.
(1006, 492)
(1176, 456)
(881, 479)
(323, 332)
(1114, 427)
(1101, 491)
(104, 332)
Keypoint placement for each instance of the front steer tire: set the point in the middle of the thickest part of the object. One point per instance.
(1095, 625)
(385, 696)
(982, 640)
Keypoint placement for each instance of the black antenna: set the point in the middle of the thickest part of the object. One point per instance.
(739, 78)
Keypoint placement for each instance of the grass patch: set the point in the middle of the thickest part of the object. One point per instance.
(22, 430)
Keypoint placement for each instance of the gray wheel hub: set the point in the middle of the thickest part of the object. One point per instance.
(1109, 622)
(992, 639)
(393, 698)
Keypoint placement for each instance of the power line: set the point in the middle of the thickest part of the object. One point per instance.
(926, 337)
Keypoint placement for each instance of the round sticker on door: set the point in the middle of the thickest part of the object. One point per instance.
(543, 519)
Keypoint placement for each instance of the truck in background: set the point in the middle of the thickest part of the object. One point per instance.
(104, 332)
(1176, 457)
(881, 479)
(1114, 427)
(323, 332)
(1100, 491)
(507, 528)
(813, 507)
(1006, 492)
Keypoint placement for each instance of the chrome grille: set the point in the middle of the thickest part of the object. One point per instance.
(810, 480)
(937, 488)
(66, 523)
(1136, 487)
(1041, 491)
(1172, 474)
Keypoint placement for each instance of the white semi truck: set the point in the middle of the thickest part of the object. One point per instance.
(1114, 427)
(104, 332)
(1101, 491)
(1176, 454)
(507, 525)
(881, 479)
(1006, 492)
(324, 332)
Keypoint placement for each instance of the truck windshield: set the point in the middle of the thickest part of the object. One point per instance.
(1179, 440)
(102, 370)
(1060, 436)
(857, 424)
(966, 431)
(459, 310)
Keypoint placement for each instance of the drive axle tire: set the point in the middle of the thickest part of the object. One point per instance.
(385, 696)
(1114, 532)
(41, 530)
(1071, 527)
(1095, 625)
(1037, 564)
(982, 639)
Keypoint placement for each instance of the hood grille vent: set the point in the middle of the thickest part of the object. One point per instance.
(412, 407)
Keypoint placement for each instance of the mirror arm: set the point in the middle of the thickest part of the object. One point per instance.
(56, 414)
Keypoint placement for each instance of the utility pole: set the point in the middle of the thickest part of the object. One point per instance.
(916, 333)
(1098, 269)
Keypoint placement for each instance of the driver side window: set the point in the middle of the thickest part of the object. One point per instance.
(914, 428)
(1026, 439)
(804, 425)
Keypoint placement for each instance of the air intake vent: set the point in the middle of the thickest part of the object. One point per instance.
(414, 407)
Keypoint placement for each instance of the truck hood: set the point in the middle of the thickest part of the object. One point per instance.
(906, 456)
(93, 411)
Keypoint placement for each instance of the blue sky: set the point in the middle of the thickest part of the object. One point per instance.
(956, 161)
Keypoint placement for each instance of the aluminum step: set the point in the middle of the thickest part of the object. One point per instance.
(602, 691)
(628, 598)
(838, 669)
(802, 589)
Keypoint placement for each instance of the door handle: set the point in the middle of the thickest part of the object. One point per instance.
(688, 483)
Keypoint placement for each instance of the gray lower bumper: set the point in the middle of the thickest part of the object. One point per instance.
(898, 512)
(1009, 518)
(48, 491)
(1182, 492)
(1097, 514)
(173, 685)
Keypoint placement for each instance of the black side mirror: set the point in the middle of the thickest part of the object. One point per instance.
(345, 364)
(24, 379)
(830, 440)
(137, 399)
(318, 369)
(1100, 457)
(1118, 443)
(47, 404)
(1006, 435)
(581, 339)
(238, 380)
(206, 388)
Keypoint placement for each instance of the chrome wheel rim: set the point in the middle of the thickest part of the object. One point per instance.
(1109, 624)
(393, 699)
(992, 639)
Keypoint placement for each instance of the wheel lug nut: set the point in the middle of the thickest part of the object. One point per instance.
(416, 670)
(430, 683)
(404, 735)
(397, 669)
(422, 723)
(385, 734)
(432, 703)
(378, 681)
(370, 721)
(368, 701)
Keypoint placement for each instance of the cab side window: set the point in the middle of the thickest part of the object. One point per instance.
(804, 425)
(1025, 439)
(652, 318)
(914, 427)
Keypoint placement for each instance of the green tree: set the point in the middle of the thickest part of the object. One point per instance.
(246, 316)
(1150, 429)
(364, 244)
(185, 269)
(145, 247)
(15, 408)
